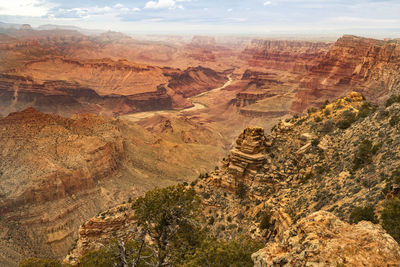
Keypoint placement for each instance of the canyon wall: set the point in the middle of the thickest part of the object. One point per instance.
(352, 64)
(297, 56)
(55, 172)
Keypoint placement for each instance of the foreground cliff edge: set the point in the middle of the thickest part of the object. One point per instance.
(294, 189)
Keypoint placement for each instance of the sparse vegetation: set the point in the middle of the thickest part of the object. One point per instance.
(364, 154)
(394, 120)
(363, 214)
(391, 218)
(393, 99)
(241, 190)
(348, 118)
(365, 110)
(162, 213)
(315, 142)
(265, 220)
(36, 262)
(222, 253)
(317, 119)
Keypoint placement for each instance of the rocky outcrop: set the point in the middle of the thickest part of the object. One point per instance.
(298, 56)
(321, 239)
(247, 158)
(248, 98)
(117, 223)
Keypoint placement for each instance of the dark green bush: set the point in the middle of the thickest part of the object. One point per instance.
(265, 220)
(311, 110)
(317, 119)
(393, 99)
(394, 120)
(315, 142)
(222, 253)
(36, 262)
(327, 127)
(324, 105)
(241, 190)
(365, 110)
(391, 218)
(364, 154)
(363, 214)
(348, 118)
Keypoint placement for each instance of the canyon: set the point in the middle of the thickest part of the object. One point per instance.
(88, 122)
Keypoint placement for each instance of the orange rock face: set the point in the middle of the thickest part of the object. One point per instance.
(55, 172)
(352, 64)
(83, 149)
(321, 239)
(297, 56)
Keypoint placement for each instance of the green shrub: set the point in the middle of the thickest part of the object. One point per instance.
(363, 214)
(393, 99)
(311, 110)
(396, 176)
(205, 195)
(241, 190)
(364, 154)
(391, 218)
(324, 105)
(348, 118)
(265, 220)
(394, 120)
(36, 262)
(365, 110)
(317, 119)
(315, 142)
(327, 112)
(327, 127)
(222, 253)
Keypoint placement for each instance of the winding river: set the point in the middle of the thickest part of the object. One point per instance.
(197, 106)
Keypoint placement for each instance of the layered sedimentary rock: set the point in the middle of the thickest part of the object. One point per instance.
(55, 172)
(95, 233)
(377, 75)
(353, 63)
(105, 76)
(321, 239)
(69, 86)
(194, 81)
(79, 158)
(67, 98)
(297, 56)
(247, 158)
(50, 167)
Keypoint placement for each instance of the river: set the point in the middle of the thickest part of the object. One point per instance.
(197, 106)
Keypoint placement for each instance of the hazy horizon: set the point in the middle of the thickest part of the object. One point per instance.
(372, 18)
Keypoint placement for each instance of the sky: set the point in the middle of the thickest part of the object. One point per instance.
(212, 16)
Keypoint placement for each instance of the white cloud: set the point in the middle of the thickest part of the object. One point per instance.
(230, 10)
(165, 4)
(267, 3)
(161, 4)
(87, 12)
(31, 8)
